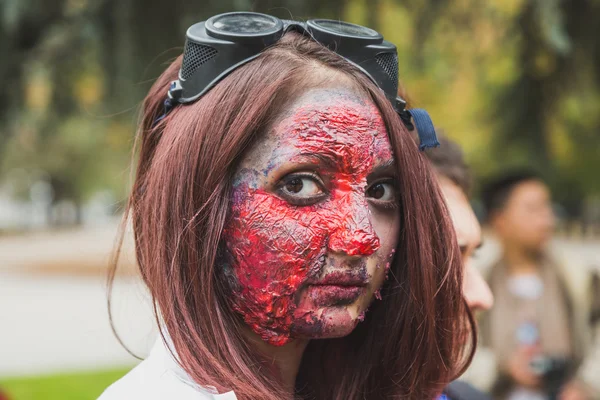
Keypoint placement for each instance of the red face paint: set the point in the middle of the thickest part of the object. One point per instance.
(290, 262)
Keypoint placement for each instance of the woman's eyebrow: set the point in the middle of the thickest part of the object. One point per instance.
(317, 158)
(385, 167)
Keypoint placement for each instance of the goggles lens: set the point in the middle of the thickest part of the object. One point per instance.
(245, 24)
(345, 28)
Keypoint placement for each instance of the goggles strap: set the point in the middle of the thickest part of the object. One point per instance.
(421, 118)
(425, 128)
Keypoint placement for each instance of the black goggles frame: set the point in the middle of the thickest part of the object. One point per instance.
(219, 45)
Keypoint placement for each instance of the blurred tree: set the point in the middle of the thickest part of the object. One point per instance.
(97, 59)
(23, 24)
(558, 56)
(515, 81)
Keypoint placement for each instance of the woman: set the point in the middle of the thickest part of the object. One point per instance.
(278, 198)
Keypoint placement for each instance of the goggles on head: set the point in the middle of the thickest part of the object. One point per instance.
(219, 45)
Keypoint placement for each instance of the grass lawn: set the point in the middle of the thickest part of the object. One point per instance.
(71, 386)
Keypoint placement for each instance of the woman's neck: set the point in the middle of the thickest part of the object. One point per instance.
(285, 358)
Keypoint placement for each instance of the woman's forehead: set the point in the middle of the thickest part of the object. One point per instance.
(328, 98)
(336, 124)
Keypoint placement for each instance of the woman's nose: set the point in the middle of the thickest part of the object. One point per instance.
(352, 232)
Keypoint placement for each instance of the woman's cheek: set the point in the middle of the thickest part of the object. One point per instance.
(387, 226)
(273, 250)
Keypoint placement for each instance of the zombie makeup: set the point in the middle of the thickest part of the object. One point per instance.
(314, 219)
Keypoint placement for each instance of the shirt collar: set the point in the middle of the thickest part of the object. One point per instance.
(163, 353)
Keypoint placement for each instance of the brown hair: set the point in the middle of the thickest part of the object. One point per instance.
(449, 161)
(407, 347)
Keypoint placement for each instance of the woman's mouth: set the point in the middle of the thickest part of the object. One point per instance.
(334, 295)
(336, 289)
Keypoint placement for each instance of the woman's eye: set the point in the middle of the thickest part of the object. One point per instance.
(382, 191)
(302, 186)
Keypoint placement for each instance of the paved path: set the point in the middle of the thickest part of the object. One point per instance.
(61, 324)
(82, 251)
(53, 311)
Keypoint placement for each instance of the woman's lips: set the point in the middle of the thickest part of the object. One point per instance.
(338, 287)
(334, 295)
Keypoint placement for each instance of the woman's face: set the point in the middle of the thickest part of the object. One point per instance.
(314, 219)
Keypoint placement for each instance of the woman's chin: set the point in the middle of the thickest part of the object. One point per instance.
(328, 322)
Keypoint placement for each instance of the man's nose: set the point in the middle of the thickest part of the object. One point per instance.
(478, 294)
(352, 231)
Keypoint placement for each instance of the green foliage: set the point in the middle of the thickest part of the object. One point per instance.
(73, 386)
(83, 156)
(516, 82)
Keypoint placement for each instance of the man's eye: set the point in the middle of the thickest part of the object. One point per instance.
(382, 191)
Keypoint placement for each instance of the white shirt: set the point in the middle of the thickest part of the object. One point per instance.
(159, 377)
(526, 286)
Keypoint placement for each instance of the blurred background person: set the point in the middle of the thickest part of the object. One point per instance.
(455, 181)
(540, 330)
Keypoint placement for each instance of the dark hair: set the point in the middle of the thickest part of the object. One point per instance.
(410, 344)
(496, 192)
(448, 161)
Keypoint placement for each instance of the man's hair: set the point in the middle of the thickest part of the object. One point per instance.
(497, 191)
(448, 160)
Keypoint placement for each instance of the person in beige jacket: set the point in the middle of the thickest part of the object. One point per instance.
(541, 339)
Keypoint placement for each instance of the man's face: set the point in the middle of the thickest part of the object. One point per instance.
(468, 233)
(526, 220)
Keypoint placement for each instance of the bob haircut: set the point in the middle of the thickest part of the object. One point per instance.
(410, 344)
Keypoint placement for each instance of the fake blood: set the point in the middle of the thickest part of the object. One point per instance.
(276, 249)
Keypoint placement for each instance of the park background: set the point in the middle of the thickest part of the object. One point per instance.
(515, 82)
